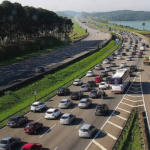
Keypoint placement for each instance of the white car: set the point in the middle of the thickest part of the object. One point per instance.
(117, 52)
(103, 86)
(77, 82)
(119, 57)
(108, 68)
(98, 67)
(52, 113)
(128, 58)
(123, 64)
(64, 103)
(38, 106)
(142, 48)
(90, 74)
(106, 61)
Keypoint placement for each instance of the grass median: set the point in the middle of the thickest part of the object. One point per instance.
(12, 102)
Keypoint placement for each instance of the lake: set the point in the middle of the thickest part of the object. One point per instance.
(134, 24)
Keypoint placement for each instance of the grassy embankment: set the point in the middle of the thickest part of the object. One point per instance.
(14, 101)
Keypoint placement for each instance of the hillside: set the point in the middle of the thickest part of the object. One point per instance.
(68, 13)
(120, 15)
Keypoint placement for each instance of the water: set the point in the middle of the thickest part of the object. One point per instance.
(134, 24)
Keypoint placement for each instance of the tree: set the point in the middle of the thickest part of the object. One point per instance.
(143, 24)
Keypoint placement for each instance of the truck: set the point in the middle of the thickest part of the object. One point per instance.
(146, 60)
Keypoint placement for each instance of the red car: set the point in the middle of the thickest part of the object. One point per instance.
(32, 127)
(33, 146)
(98, 79)
(140, 53)
(140, 39)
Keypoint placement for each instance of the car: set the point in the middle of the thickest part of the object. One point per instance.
(63, 91)
(38, 106)
(76, 95)
(98, 79)
(98, 67)
(106, 61)
(123, 54)
(16, 121)
(107, 68)
(130, 55)
(127, 50)
(7, 143)
(52, 113)
(128, 58)
(116, 52)
(139, 56)
(90, 74)
(101, 110)
(67, 118)
(133, 53)
(103, 86)
(108, 78)
(32, 127)
(143, 44)
(112, 73)
(123, 64)
(91, 83)
(87, 130)
(95, 93)
(84, 103)
(119, 57)
(111, 57)
(140, 53)
(77, 82)
(133, 68)
(39, 70)
(85, 88)
(113, 64)
(32, 146)
(103, 73)
(65, 103)
(147, 46)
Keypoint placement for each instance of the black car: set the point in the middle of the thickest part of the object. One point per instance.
(123, 54)
(17, 121)
(95, 94)
(76, 95)
(101, 109)
(133, 68)
(91, 83)
(104, 73)
(147, 46)
(143, 44)
(139, 56)
(63, 91)
(127, 50)
(39, 70)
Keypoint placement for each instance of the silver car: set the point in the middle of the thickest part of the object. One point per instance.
(108, 68)
(87, 130)
(85, 88)
(65, 103)
(128, 58)
(98, 67)
(113, 64)
(67, 118)
(84, 103)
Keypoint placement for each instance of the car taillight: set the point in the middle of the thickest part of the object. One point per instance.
(52, 114)
(14, 123)
(45, 114)
(37, 107)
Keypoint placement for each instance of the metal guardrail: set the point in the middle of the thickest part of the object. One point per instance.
(80, 75)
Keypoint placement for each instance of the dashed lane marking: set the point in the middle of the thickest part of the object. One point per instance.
(124, 110)
(39, 119)
(55, 148)
(73, 109)
(99, 145)
(79, 125)
(115, 125)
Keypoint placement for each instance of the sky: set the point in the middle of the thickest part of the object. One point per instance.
(87, 5)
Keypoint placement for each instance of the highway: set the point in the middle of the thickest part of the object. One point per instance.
(17, 72)
(65, 137)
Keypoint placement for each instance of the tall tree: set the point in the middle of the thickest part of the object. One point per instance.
(143, 24)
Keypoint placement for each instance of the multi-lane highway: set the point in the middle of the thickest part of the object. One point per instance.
(17, 72)
(65, 137)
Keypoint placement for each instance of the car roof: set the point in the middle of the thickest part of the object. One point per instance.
(84, 99)
(66, 115)
(6, 138)
(94, 90)
(51, 109)
(15, 117)
(36, 103)
(86, 126)
(29, 145)
(97, 77)
(64, 100)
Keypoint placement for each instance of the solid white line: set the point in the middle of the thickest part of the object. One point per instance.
(55, 148)
(115, 125)
(124, 110)
(39, 119)
(112, 136)
(127, 104)
(3, 128)
(53, 126)
(132, 100)
(74, 109)
(79, 125)
(100, 146)
(119, 116)
(133, 96)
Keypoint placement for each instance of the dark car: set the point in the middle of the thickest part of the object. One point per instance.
(32, 127)
(95, 94)
(123, 54)
(127, 50)
(17, 121)
(108, 78)
(32, 146)
(76, 95)
(39, 70)
(91, 83)
(147, 46)
(63, 91)
(8, 143)
(139, 56)
(133, 53)
(101, 109)
(104, 73)
(133, 68)
(143, 44)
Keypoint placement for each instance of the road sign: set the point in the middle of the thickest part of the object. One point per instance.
(34, 93)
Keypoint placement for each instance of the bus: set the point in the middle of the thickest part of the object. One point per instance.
(120, 80)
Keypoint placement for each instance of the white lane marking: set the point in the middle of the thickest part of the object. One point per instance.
(131, 105)
(114, 125)
(47, 131)
(79, 125)
(133, 96)
(132, 100)
(27, 113)
(123, 110)
(3, 128)
(55, 148)
(39, 119)
(119, 116)
(134, 91)
(74, 109)
(100, 146)
(110, 135)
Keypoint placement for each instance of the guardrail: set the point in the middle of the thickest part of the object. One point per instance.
(64, 85)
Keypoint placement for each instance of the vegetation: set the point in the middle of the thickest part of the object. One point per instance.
(68, 13)
(14, 101)
(143, 24)
(120, 15)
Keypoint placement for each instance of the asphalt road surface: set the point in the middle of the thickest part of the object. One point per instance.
(19, 71)
(65, 137)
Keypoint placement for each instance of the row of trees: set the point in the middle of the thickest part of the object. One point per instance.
(19, 23)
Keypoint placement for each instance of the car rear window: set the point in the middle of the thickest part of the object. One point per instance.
(35, 105)
(93, 91)
(83, 86)
(3, 142)
(60, 90)
(62, 101)
(64, 117)
(13, 119)
(82, 101)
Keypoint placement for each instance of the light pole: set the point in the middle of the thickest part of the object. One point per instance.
(35, 94)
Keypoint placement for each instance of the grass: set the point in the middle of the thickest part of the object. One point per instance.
(14, 101)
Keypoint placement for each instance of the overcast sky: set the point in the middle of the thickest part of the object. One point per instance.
(87, 5)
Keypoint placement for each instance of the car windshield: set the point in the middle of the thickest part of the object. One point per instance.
(64, 117)
(62, 101)
(3, 142)
(13, 119)
(29, 126)
(83, 86)
(82, 101)
(93, 91)
(35, 105)
(102, 83)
